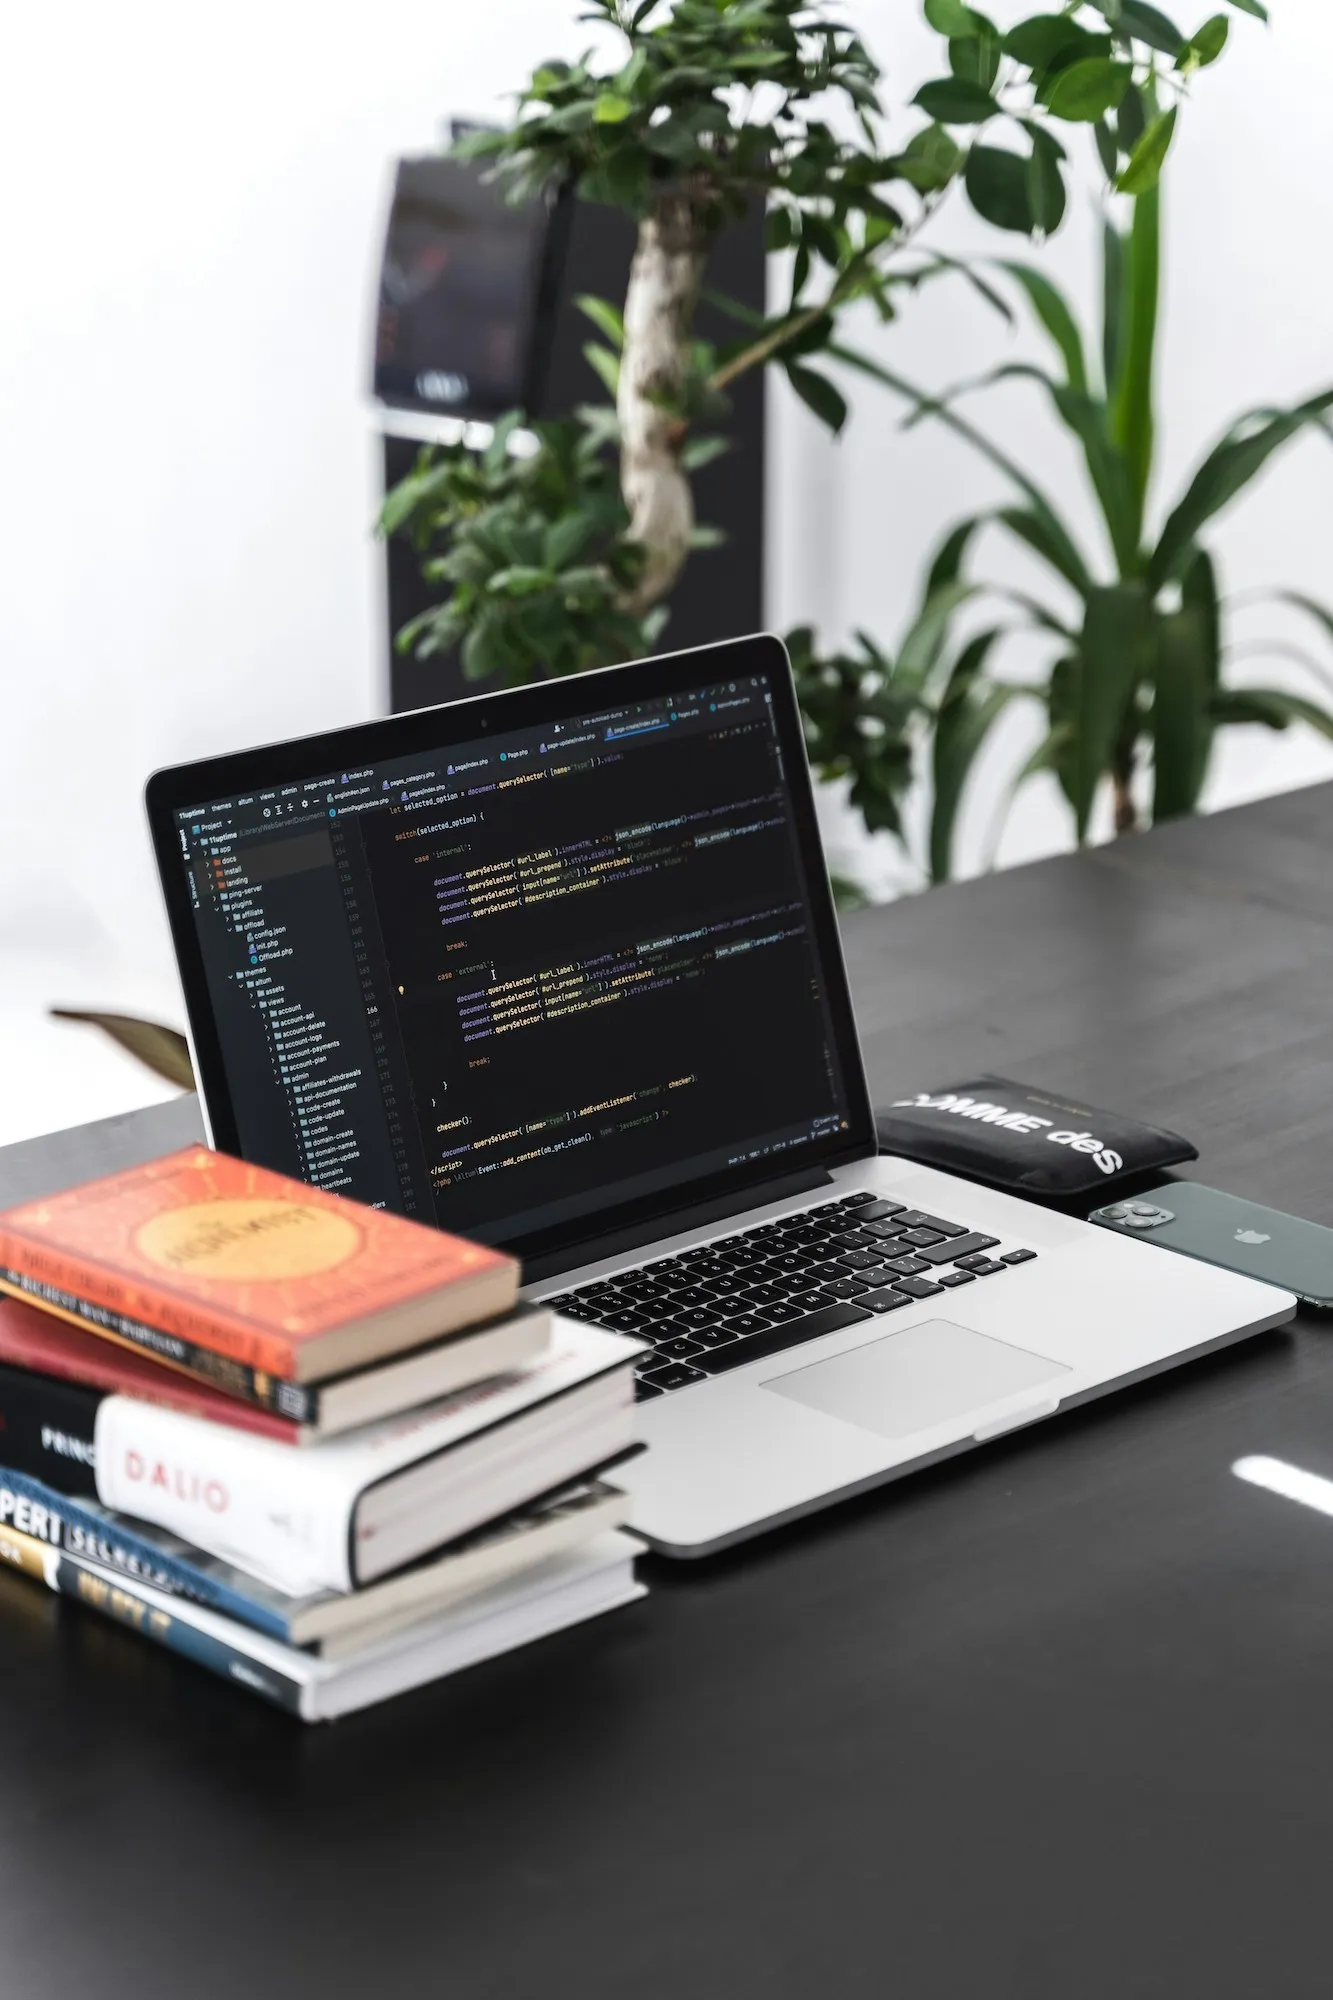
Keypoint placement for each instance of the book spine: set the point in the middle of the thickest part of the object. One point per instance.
(114, 1597)
(31, 1265)
(292, 1401)
(283, 1514)
(77, 1578)
(31, 1508)
(48, 1428)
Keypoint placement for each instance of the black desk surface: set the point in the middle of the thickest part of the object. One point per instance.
(1054, 1720)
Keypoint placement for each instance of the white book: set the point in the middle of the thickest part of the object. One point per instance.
(562, 1591)
(353, 1508)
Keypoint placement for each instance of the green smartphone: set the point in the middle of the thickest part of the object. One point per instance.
(1239, 1235)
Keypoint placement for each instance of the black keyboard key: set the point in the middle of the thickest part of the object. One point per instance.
(921, 1239)
(824, 1208)
(715, 1336)
(688, 1318)
(745, 1323)
(778, 1338)
(589, 1315)
(1018, 1256)
(790, 1260)
(854, 1239)
(810, 1239)
(643, 1390)
(734, 1281)
(625, 1322)
(982, 1267)
(645, 1294)
(916, 1218)
(855, 1200)
(907, 1267)
(875, 1211)
(883, 1300)
(761, 1296)
(917, 1288)
(958, 1249)
(970, 1262)
(693, 1295)
(743, 1256)
(799, 1282)
(881, 1231)
(675, 1375)
(861, 1260)
(680, 1347)
(789, 1309)
(955, 1278)
(847, 1288)
(938, 1222)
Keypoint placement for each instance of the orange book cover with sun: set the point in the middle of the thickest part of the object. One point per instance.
(200, 1250)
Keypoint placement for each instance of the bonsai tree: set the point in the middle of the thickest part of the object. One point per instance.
(553, 562)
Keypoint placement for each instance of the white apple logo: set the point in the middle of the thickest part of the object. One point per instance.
(1251, 1236)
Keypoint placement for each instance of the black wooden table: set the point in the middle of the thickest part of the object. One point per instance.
(1053, 1720)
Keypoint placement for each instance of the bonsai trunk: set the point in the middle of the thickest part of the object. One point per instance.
(659, 316)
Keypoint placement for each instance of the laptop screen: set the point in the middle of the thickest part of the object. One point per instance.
(510, 983)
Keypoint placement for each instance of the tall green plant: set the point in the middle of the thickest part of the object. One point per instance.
(1136, 631)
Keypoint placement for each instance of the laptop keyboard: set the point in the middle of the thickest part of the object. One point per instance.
(743, 1297)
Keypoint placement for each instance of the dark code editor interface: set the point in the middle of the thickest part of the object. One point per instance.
(508, 984)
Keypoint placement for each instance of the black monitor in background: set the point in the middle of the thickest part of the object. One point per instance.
(479, 301)
(466, 288)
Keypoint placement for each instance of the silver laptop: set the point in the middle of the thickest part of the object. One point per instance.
(558, 968)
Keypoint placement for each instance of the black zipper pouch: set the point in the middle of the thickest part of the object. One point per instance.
(1026, 1141)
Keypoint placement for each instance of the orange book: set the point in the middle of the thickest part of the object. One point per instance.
(213, 1265)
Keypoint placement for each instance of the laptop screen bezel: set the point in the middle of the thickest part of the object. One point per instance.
(185, 786)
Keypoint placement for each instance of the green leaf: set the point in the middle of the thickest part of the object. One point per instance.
(1185, 669)
(948, 559)
(1086, 91)
(1105, 671)
(1146, 24)
(1145, 162)
(923, 642)
(1107, 150)
(1273, 707)
(952, 100)
(605, 364)
(565, 538)
(1228, 468)
(1113, 261)
(611, 109)
(1051, 41)
(950, 17)
(1046, 189)
(700, 451)
(998, 188)
(1052, 309)
(1131, 120)
(1254, 7)
(1133, 428)
(604, 317)
(976, 57)
(966, 715)
(819, 394)
(1206, 44)
(519, 580)
(930, 160)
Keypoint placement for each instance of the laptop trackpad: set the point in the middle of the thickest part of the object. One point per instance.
(910, 1381)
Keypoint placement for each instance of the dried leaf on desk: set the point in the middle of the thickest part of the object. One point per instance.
(163, 1050)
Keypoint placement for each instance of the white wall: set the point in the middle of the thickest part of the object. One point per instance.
(190, 209)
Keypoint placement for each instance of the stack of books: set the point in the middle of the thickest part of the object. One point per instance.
(313, 1446)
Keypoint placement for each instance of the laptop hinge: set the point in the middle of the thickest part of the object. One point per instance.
(672, 1222)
